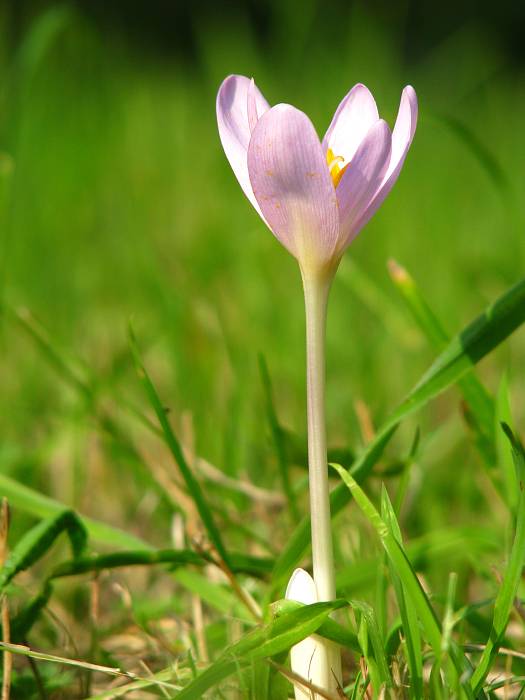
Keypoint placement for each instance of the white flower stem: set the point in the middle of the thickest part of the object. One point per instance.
(316, 289)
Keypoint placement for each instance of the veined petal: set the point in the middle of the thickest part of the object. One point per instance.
(292, 184)
(234, 126)
(352, 120)
(256, 105)
(402, 136)
(362, 178)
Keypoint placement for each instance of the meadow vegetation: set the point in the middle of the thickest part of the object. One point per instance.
(152, 403)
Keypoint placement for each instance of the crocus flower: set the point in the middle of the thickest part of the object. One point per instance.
(315, 196)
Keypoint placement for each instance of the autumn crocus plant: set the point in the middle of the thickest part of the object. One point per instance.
(315, 196)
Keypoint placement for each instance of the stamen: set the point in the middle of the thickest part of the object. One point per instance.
(336, 171)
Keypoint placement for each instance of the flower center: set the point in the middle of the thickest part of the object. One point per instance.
(335, 166)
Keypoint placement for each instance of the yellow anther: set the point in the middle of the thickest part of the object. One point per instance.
(336, 171)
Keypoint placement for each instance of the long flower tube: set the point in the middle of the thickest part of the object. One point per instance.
(315, 196)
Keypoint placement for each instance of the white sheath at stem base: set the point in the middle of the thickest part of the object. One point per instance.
(305, 657)
(316, 288)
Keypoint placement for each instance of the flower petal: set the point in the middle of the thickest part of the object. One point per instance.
(352, 120)
(293, 186)
(362, 178)
(402, 136)
(256, 105)
(301, 588)
(234, 127)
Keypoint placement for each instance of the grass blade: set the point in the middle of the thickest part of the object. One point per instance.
(279, 440)
(330, 629)
(77, 663)
(409, 619)
(178, 455)
(240, 563)
(511, 580)
(399, 561)
(28, 615)
(406, 573)
(272, 639)
(35, 543)
(35, 503)
(57, 358)
(160, 680)
(505, 459)
(479, 401)
(377, 660)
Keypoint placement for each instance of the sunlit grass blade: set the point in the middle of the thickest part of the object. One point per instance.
(410, 623)
(31, 501)
(477, 340)
(376, 659)
(381, 595)
(480, 404)
(287, 630)
(409, 580)
(279, 441)
(272, 639)
(330, 629)
(511, 579)
(178, 455)
(260, 680)
(37, 541)
(399, 561)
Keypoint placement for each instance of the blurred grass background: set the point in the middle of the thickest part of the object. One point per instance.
(120, 204)
(117, 202)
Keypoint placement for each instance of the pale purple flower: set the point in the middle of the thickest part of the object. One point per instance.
(314, 196)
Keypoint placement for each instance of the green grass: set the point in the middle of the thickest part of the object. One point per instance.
(117, 205)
